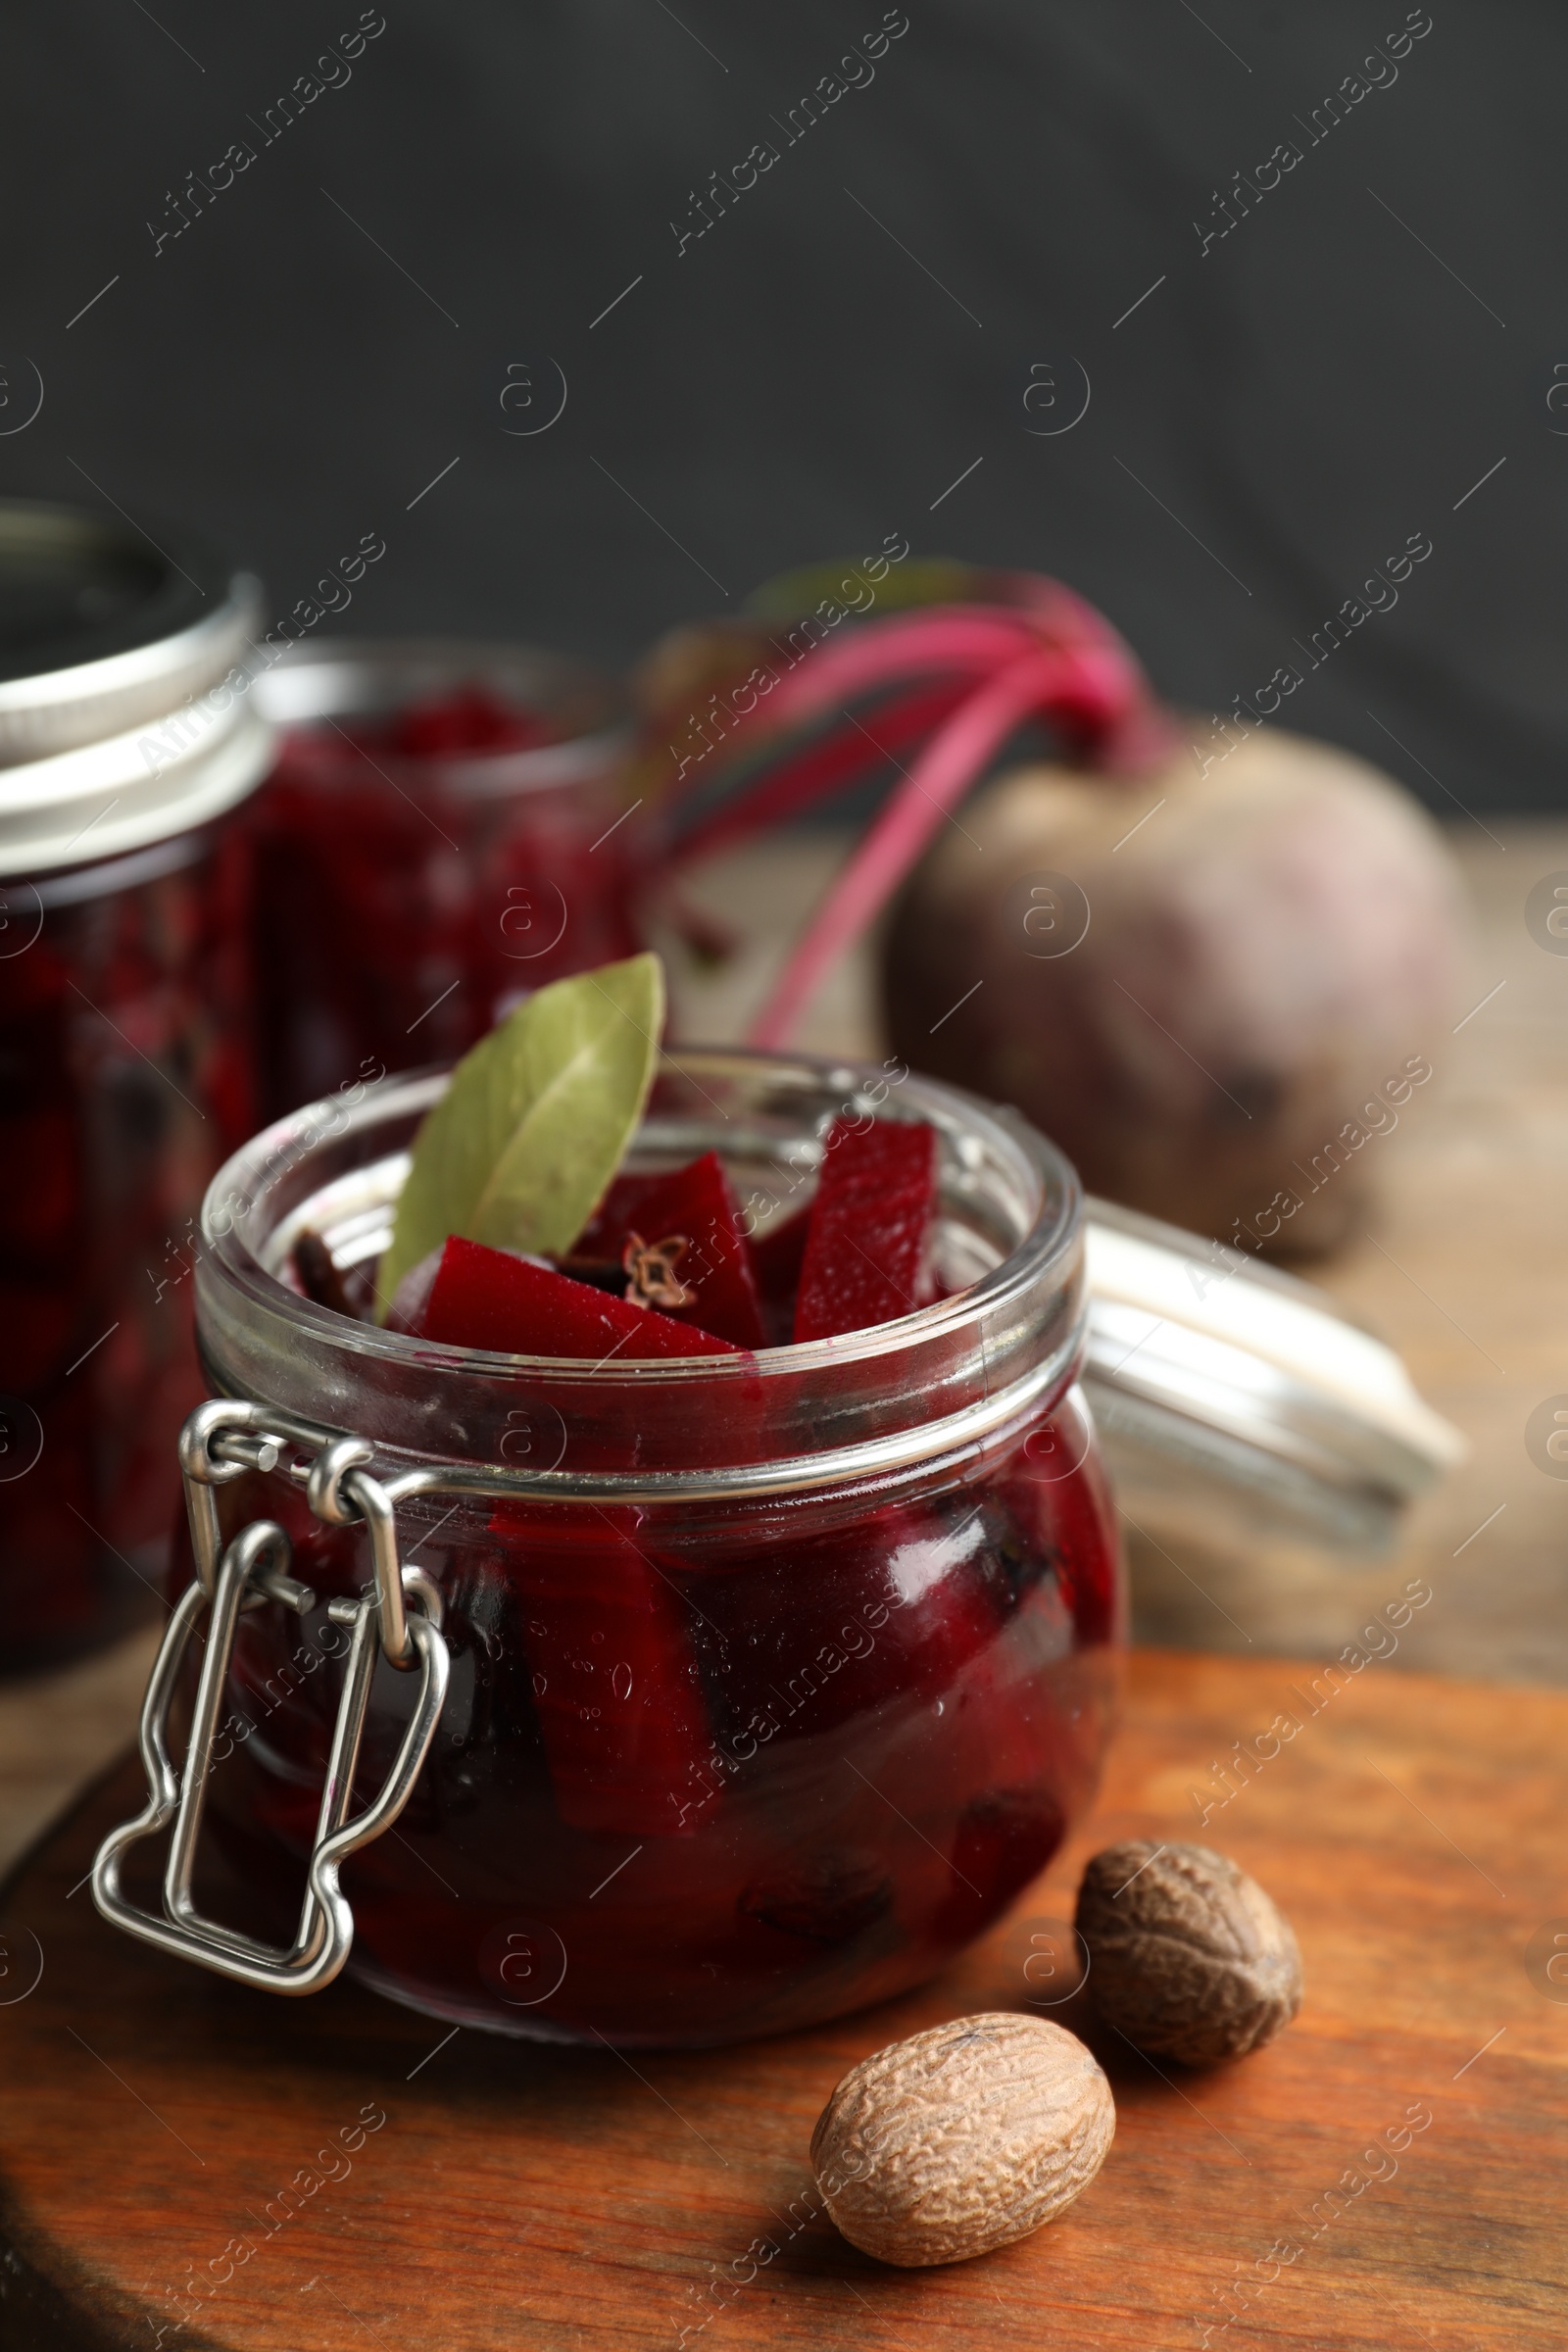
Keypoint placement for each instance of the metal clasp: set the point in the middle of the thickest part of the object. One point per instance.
(220, 1441)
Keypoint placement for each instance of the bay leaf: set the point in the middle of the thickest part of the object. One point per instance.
(520, 1147)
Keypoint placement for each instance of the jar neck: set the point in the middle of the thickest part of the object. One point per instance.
(872, 1404)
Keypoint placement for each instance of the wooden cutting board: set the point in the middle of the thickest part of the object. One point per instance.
(495, 2194)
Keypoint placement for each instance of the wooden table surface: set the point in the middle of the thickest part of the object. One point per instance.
(1389, 2173)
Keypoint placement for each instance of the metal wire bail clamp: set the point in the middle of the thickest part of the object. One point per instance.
(220, 1441)
(224, 1438)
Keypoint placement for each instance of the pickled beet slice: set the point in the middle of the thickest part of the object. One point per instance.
(619, 1711)
(468, 721)
(777, 1254)
(715, 1263)
(871, 1230)
(888, 1613)
(826, 1897)
(616, 1688)
(1004, 1839)
(1070, 1521)
(484, 1298)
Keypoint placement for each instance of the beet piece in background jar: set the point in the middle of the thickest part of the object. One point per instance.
(128, 737)
(438, 837)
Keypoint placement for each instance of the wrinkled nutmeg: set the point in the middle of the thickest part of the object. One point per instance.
(1188, 1956)
(962, 2139)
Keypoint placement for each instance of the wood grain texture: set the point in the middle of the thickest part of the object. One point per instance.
(538, 2198)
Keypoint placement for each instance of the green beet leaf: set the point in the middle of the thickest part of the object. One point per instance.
(520, 1147)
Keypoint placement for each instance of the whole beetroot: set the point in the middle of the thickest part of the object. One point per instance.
(1272, 960)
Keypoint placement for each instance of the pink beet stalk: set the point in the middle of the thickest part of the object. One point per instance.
(1046, 653)
(968, 640)
(1097, 684)
(939, 779)
(823, 767)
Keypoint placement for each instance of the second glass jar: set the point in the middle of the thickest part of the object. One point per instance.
(437, 838)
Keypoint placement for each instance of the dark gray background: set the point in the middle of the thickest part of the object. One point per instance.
(797, 383)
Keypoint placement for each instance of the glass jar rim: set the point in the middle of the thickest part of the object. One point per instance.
(1007, 1340)
(367, 678)
(1051, 1233)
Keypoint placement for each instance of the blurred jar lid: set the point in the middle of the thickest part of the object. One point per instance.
(115, 728)
(1203, 1365)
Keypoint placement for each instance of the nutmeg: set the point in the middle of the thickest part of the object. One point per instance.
(1189, 1958)
(962, 2138)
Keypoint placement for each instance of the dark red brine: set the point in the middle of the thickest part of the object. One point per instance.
(124, 1084)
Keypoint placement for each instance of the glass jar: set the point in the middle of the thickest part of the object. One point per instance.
(772, 1679)
(1265, 1449)
(123, 1072)
(412, 887)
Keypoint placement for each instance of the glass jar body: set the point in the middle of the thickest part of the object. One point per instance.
(703, 1773)
(123, 1016)
(774, 1678)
